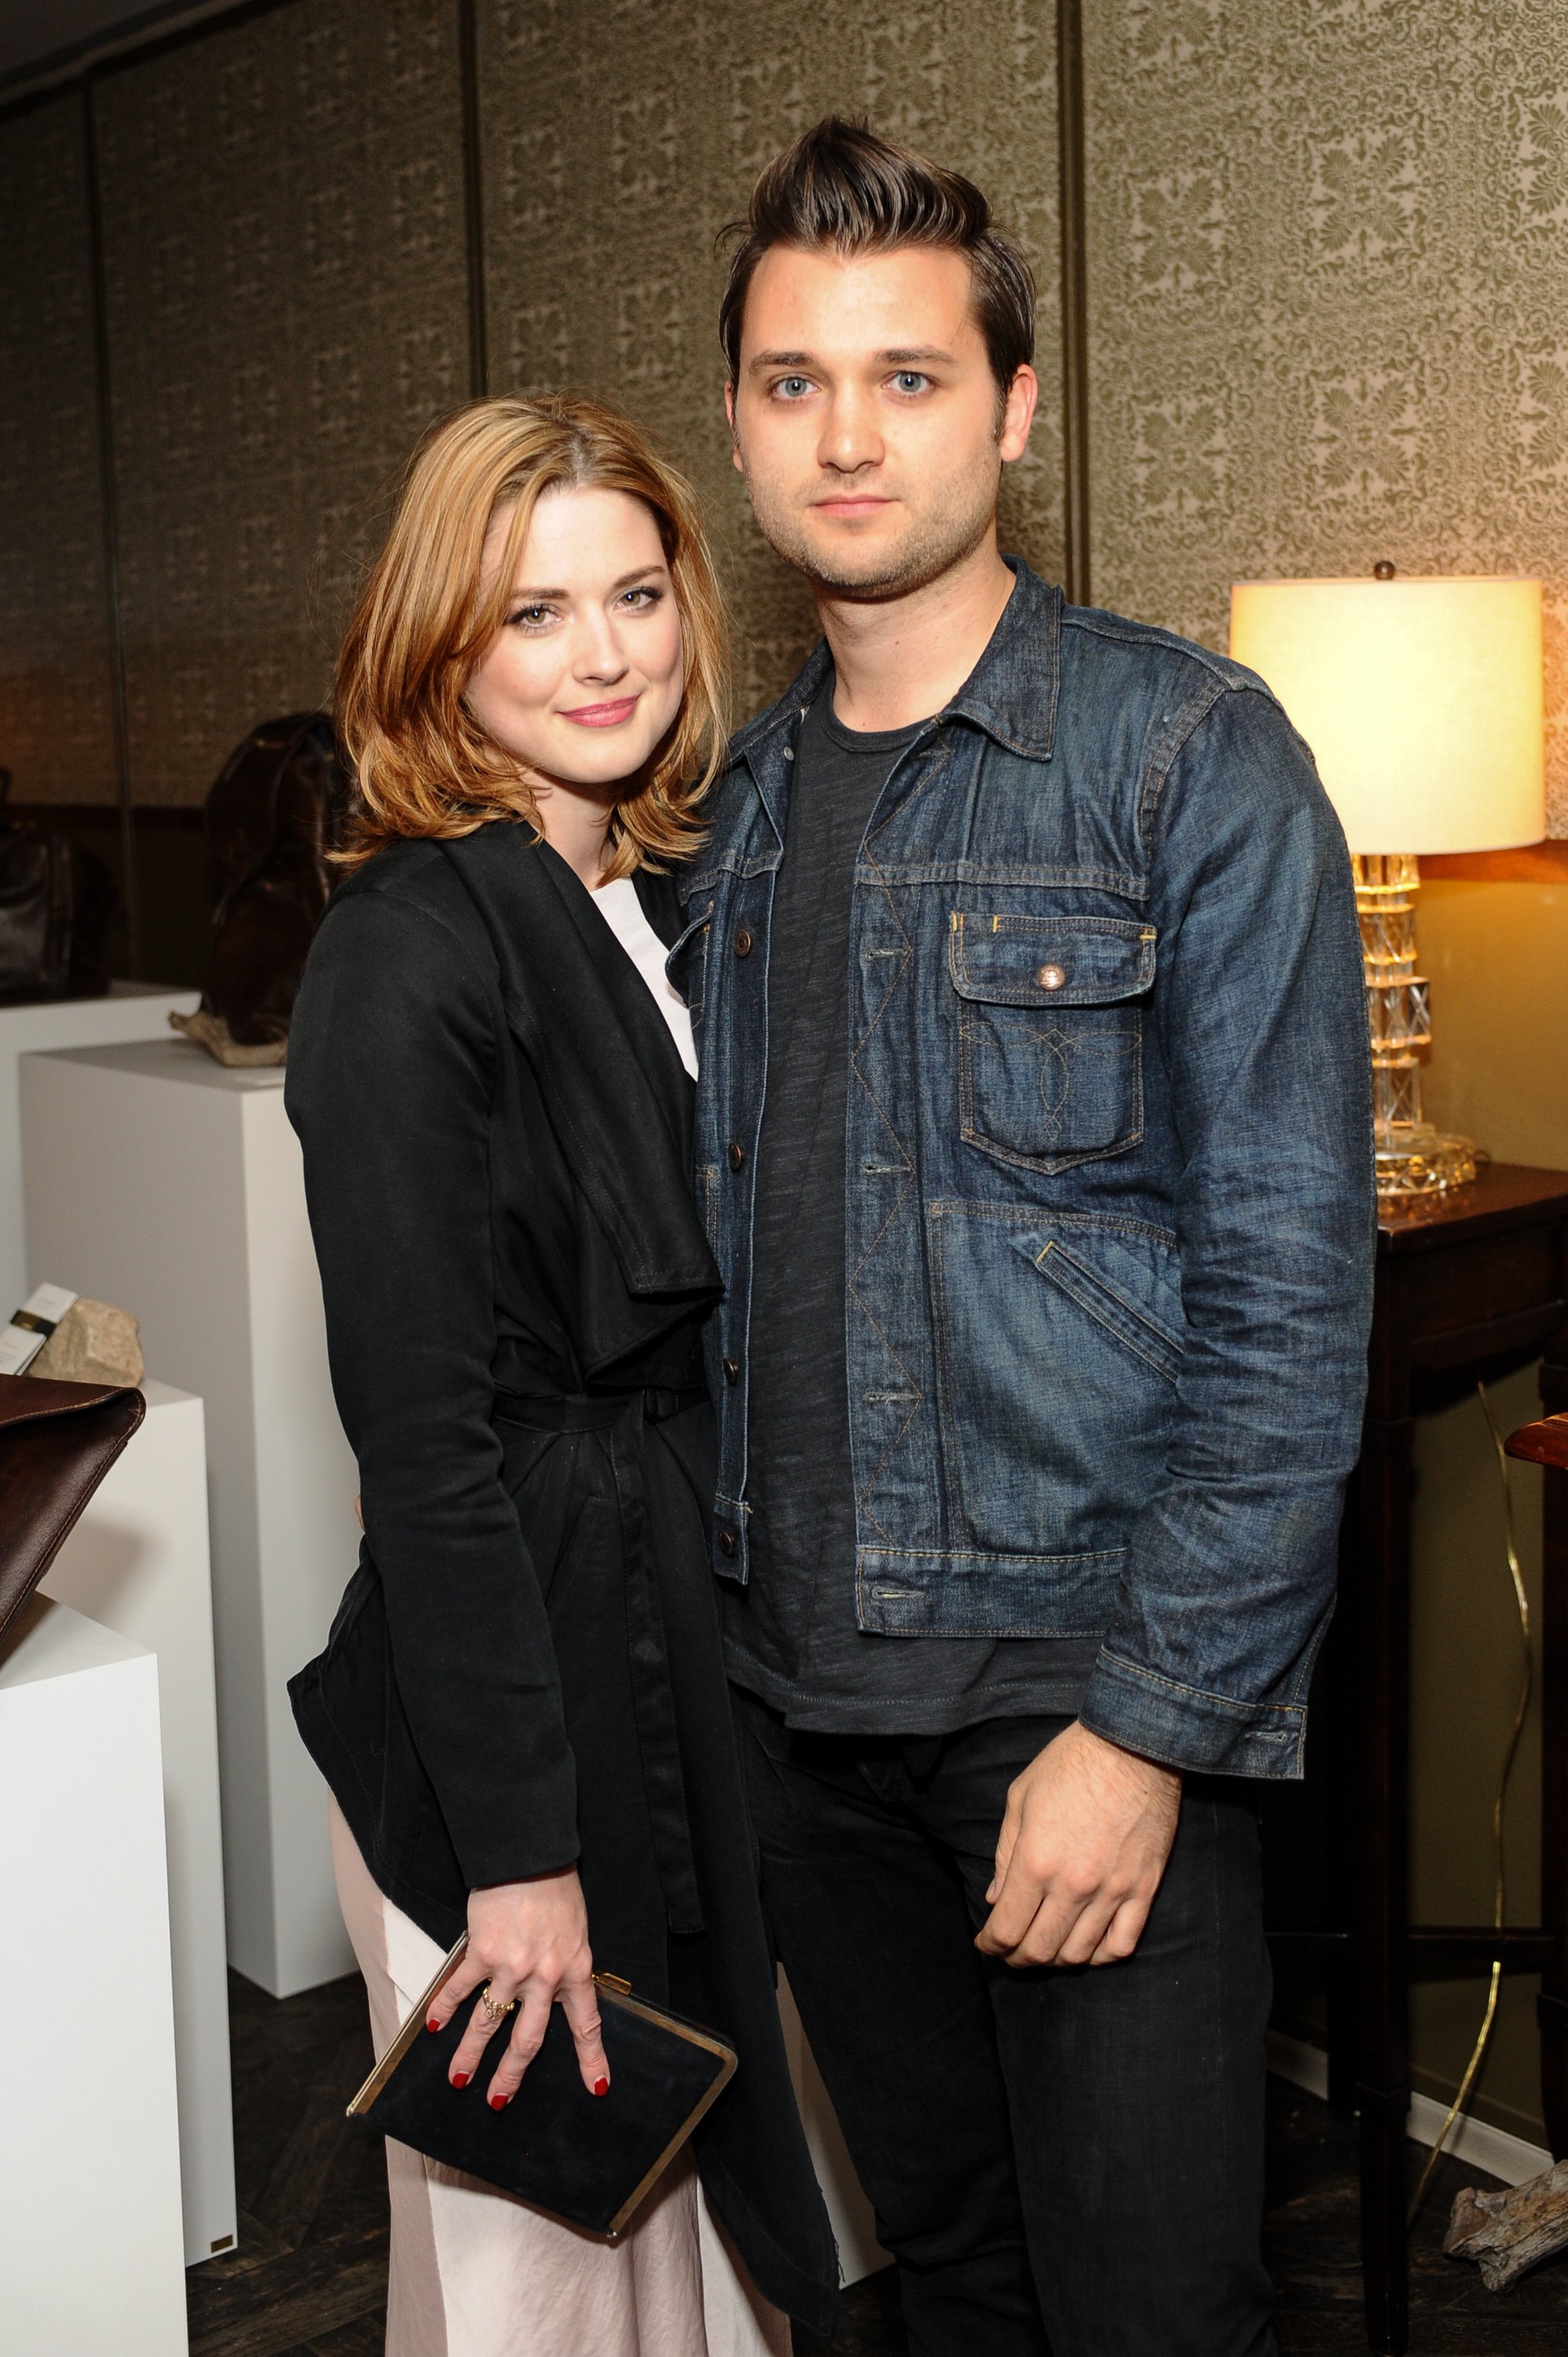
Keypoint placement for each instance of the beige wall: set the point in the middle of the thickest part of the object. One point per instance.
(1497, 956)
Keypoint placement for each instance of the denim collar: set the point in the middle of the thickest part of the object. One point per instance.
(1011, 693)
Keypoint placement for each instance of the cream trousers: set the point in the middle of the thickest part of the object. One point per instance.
(477, 2273)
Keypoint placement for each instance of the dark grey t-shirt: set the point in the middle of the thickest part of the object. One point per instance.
(790, 1636)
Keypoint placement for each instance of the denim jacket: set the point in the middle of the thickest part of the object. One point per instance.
(1107, 1166)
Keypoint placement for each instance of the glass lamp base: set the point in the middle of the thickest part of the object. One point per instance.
(1415, 1158)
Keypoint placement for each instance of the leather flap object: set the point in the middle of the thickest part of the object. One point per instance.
(1011, 961)
(57, 1442)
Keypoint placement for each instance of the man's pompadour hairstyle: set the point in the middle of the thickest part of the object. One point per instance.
(843, 186)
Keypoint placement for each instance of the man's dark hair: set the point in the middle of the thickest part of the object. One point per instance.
(843, 186)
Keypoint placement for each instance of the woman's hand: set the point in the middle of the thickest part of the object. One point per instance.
(529, 1941)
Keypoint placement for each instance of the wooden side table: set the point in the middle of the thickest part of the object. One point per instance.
(1467, 1286)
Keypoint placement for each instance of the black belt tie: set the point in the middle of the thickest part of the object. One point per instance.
(624, 1417)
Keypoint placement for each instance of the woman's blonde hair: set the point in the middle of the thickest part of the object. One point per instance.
(424, 765)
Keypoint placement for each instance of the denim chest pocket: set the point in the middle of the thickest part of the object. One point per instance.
(1050, 1034)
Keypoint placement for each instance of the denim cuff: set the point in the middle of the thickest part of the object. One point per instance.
(1182, 1727)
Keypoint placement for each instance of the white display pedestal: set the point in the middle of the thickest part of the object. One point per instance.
(138, 1563)
(155, 1179)
(91, 2246)
(133, 1010)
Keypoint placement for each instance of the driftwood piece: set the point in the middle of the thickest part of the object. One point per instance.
(92, 1344)
(1510, 2231)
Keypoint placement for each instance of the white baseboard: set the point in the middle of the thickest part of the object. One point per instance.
(1493, 2150)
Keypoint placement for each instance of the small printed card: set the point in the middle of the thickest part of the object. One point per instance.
(31, 1326)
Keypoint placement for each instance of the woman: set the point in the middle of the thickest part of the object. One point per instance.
(521, 1709)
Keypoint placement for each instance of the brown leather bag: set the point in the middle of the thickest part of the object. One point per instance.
(272, 819)
(57, 1442)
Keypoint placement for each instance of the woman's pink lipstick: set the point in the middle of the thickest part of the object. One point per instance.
(602, 715)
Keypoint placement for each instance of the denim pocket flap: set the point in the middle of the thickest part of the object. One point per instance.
(684, 964)
(1010, 960)
(1109, 1306)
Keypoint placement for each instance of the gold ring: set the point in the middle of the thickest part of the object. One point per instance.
(497, 2012)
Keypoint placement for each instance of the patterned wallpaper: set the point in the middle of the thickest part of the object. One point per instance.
(611, 164)
(1328, 277)
(287, 310)
(56, 729)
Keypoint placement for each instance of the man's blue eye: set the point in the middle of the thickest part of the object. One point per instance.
(909, 380)
(793, 385)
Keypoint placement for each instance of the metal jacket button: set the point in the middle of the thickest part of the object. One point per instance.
(735, 1154)
(732, 1371)
(743, 944)
(728, 1542)
(1050, 977)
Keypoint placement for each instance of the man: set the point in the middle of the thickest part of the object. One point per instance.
(1034, 1140)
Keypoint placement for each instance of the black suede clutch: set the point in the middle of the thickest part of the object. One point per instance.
(589, 2160)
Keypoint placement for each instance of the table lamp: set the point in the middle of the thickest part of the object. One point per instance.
(1422, 702)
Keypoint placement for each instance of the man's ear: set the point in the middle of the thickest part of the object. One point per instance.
(736, 459)
(1018, 413)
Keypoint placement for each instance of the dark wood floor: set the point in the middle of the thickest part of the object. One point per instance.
(308, 2279)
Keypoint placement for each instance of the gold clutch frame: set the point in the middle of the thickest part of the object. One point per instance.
(613, 1992)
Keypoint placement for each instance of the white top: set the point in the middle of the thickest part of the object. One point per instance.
(621, 909)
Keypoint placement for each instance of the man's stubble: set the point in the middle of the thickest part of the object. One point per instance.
(936, 541)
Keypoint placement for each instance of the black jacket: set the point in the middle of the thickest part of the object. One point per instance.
(526, 1669)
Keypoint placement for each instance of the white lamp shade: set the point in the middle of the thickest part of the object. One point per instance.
(1422, 701)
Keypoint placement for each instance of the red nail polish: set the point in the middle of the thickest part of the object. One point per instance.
(461, 2078)
(601, 2086)
(499, 2103)
(433, 2025)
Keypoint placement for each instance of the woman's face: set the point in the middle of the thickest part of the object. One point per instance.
(584, 677)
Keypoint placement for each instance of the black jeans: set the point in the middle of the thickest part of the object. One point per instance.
(1064, 2163)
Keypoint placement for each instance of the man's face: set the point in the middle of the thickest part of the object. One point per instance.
(868, 424)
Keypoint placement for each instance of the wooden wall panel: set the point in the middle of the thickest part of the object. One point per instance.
(611, 164)
(284, 241)
(1328, 286)
(56, 729)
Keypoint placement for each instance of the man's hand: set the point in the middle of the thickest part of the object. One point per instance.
(1082, 1848)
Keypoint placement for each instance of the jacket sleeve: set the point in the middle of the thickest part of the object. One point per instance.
(391, 1074)
(1260, 1014)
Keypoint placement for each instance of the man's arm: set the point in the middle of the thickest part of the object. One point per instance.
(1261, 1016)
